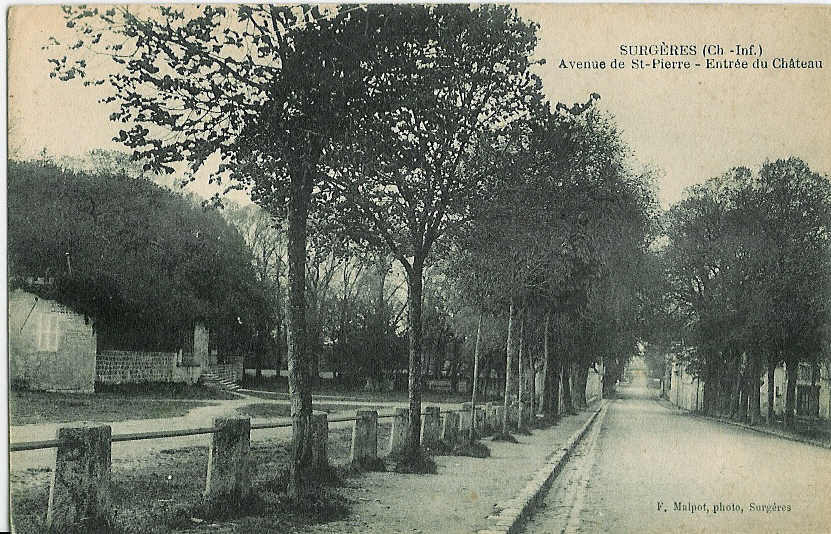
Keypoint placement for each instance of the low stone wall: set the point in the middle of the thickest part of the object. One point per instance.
(232, 371)
(131, 367)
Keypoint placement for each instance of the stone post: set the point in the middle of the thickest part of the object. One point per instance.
(464, 423)
(229, 475)
(450, 429)
(320, 439)
(400, 427)
(513, 414)
(498, 411)
(497, 417)
(79, 492)
(430, 426)
(480, 422)
(490, 420)
(365, 437)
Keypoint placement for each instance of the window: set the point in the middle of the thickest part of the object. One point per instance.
(48, 332)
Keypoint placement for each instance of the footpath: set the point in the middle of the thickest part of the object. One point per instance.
(464, 494)
(821, 429)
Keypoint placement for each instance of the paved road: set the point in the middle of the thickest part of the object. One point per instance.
(646, 467)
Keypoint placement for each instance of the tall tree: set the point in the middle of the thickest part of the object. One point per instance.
(265, 89)
(451, 78)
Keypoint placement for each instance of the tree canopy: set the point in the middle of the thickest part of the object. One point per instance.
(143, 262)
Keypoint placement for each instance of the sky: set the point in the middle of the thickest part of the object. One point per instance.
(688, 125)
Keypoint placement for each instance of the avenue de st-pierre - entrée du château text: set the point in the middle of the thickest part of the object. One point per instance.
(672, 56)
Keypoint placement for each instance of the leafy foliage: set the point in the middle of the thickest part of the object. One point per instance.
(748, 268)
(143, 262)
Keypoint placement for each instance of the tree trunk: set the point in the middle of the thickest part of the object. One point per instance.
(566, 385)
(771, 388)
(555, 389)
(739, 387)
(545, 394)
(791, 366)
(582, 376)
(710, 386)
(454, 365)
(612, 372)
(744, 404)
(301, 399)
(416, 289)
(521, 372)
(509, 353)
(755, 394)
(278, 348)
(532, 385)
(472, 433)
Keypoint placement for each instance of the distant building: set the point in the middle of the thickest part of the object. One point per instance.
(687, 391)
(811, 400)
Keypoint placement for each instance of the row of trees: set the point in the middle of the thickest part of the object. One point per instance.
(418, 132)
(354, 300)
(747, 274)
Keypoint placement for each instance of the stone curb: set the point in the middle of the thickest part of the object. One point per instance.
(516, 511)
(781, 435)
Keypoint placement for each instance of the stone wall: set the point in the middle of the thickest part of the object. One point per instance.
(50, 347)
(131, 367)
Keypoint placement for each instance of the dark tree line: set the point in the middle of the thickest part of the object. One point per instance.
(143, 263)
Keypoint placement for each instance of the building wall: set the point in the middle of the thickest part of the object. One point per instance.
(685, 391)
(825, 394)
(50, 347)
(779, 384)
(682, 390)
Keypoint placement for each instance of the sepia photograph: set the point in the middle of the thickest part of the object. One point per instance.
(450, 268)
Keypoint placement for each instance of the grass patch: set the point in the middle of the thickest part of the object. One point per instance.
(26, 407)
(273, 409)
(421, 463)
(476, 449)
(279, 388)
(504, 436)
(162, 492)
(377, 464)
(172, 390)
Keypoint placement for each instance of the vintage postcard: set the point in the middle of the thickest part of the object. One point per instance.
(435, 268)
